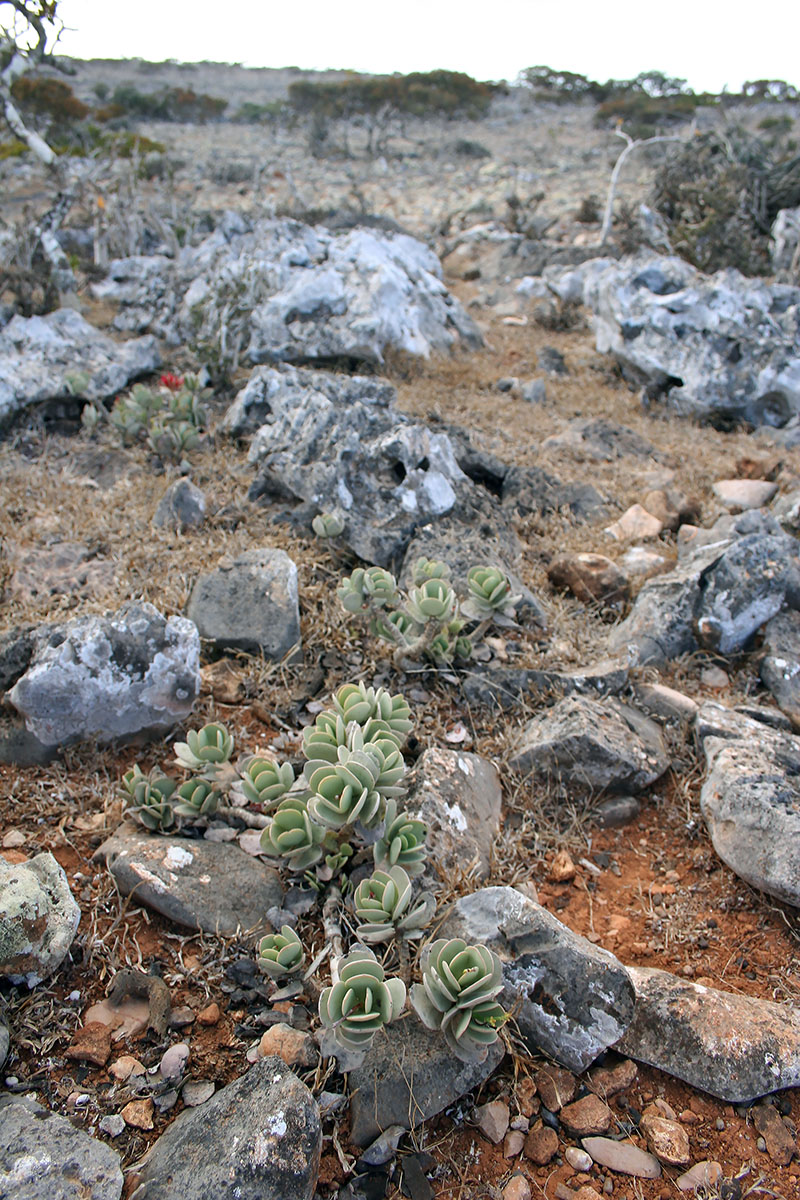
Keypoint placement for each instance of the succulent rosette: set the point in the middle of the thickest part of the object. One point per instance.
(280, 954)
(380, 587)
(402, 842)
(361, 1002)
(489, 592)
(205, 747)
(147, 799)
(344, 792)
(357, 702)
(265, 782)
(196, 798)
(383, 905)
(429, 568)
(293, 835)
(350, 591)
(433, 600)
(327, 525)
(458, 993)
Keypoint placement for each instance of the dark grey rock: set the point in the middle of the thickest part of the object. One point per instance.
(38, 919)
(43, 1156)
(110, 677)
(732, 1046)
(18, 745)
(534, 391)
(616, 811)
(573, 1000)
(722, 349)
(458, 796)
(552, 361)
(780, 666)
(249, 603)
(213, 886)
(407, 1076)
(745, 588)
(378, 470)
(601, 439)
(750, 801)
(16, 651)
(5, 1040)
(533, 490)
(38, 355)
(507, 687)
(600, 745)
(266, 1143)
(183, 506)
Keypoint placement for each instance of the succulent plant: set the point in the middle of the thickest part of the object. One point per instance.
(382, 905)
(458, 993)
(434, 600)
(205, 747)
(351, 591)
(321, 741)
(429, 568)
(129, 420)
(327, 525)
(489, 592)
(92, 415)
(394, 627)
(402, 842)
(172, 438)
(196, 798)
(265, 782)
(148, 799)
(362, 1001)
(345, 791)
(293, 836)
(380, 587)
(357, 702)
(280, 954)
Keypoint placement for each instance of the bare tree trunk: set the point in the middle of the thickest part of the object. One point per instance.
(630, 146)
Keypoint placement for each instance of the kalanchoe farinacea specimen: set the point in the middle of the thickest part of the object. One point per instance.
(390, 766)
(196, 798)
(327, 525)
(265, 782)
(357, 702)
(489, 593)
(383, 905)
(293, 835)
(206, 747)
(433, 600)
(367, 587)
(147, 799)
(429, 568)
(458, 993)
(345, 792)
(280, 954)
(362, 1001)
(402, 843)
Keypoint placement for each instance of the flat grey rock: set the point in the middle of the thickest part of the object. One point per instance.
(249, 603)
(780, 666)
(38, 919)
(44, 1157)
(38, 355)
(213, 886)
(750, 800)
(747, 587)
(573, 999)
(599, 745)
(458, 796)
(529, 490)
(108, 677)
(409, 1075)
(735, 1047)
(266, 1143)
(507, 687)
(183, 506)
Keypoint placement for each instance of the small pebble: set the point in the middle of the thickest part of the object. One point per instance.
(513, 1143)
(761, 1144)
(517, 1188)
(139, 1114)
(578, 1159)
(492, 1120)
(113, 1124)
(608, 1185)
(720, 1124)
(197, 1091)
(210, 1015)
(174, 1060)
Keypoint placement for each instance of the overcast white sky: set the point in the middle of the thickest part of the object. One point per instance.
(709, 42)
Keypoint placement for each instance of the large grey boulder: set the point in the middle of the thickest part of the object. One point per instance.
(43, 1156)
(732, 1046)
(259, 1138)
(249, 603)
(381, 472)
(750, 799)
(733, 578)
(721, 348)
(38, 355)
(213, 886)
(110, 677)
(599, 745)
(572, 1000)
(408, 1075)
(38, 919)
(780, 666)
(301, 293)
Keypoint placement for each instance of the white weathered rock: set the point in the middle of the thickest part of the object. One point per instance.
(739, 494)
(784, 248)
(43, 1156)
(458, 796)
(38, 355)
(38, 919)
(109, 677)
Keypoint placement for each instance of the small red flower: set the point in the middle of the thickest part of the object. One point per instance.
(173, 382)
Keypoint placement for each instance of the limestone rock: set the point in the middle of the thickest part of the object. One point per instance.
(590, 577)
(408, 1077)
(44, 1156)
(780, 666)
(39, 355)
(183, 506)
(635, 522)
(458, 796)
(667, 1139)
(738, 494)
(38, 919)
(249, 603)
(623, 1157)
(266, 1144)
(506, 687)
(575, 1000)
(110, 677)
(213, 886)
(599, 745)
(731, 1046)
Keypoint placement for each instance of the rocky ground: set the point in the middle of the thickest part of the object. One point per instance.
(624, 752)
